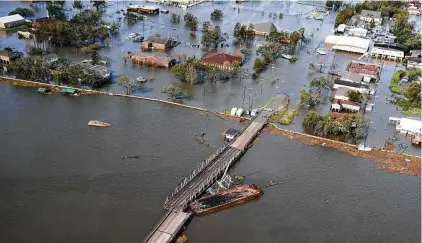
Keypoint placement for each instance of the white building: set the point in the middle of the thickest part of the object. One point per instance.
(348, 43)
(407, 125)
(385, 53)
(339, 105)
(414, 62)
(369, 16)
(11, 21)
(358, 32)
(341, 93)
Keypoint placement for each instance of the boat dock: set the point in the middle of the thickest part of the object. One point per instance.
(203, 177)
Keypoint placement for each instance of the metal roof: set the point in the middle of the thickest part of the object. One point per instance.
(11, 18)
(266, 27)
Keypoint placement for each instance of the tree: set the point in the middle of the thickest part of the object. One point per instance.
(310, 99)
(191, 75)
(217, 14)
(99, 4)
(175, 18)
(280, 15)
(372, 24)
(413, 93)
(77, 4)
(95, 58)
(322, 83)
(31, 68)
(128, 83)
(24, 12)
(343, 16)
(354, 95)
(335, 5)
(257, 65)
(55, 10)
(312, 119)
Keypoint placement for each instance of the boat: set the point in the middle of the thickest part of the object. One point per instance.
(226, 198)
(165, 11)
(141, 79)
(69, 91)
(321, 52)
(45, 91)
(286, 56)
(96, 123)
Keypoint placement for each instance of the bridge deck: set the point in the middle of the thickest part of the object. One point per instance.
(169, 227)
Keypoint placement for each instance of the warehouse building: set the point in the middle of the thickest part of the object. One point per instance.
(11, 21)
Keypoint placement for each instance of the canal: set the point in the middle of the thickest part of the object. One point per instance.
(62, 181)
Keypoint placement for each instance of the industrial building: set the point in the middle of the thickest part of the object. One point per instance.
(348, 43)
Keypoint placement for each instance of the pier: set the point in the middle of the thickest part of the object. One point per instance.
(202, 177)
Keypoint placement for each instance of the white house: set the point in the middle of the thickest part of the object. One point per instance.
(385, 53)
(348, 43)
(339, 105)
(11, 21)
(358, 32)
(369, 16)
(341, 93)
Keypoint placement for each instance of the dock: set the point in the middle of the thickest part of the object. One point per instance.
(202, 177)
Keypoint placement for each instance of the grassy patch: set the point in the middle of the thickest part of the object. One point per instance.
(227, 113)
(290, 115)
(277, 116)
(412, 111)
(395, 82)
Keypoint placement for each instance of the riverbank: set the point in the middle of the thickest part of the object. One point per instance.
(384, 159)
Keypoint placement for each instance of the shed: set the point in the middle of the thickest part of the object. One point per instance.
(239, 112)
(231, 133)
(233, 111)
(11, 21)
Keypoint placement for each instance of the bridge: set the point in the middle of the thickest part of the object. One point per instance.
(205, 175)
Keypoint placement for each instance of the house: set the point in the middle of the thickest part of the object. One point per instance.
(220, 60)
(263, 29)
(369, 16)
(339, 105)
(358, 32)
(11, 21)
(156, 59)
(156, 43)
(367, 70)
(413, 10)
(341, 93)
(385, 53)
(415, 53)
(143, 9)
(348, 43)
(5, 57)
(414, 62)
(357, 86)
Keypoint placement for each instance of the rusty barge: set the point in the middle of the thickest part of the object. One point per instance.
(227, 198)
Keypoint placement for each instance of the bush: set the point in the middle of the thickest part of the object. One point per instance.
(354, 95)
(288, 118)
(312, 119)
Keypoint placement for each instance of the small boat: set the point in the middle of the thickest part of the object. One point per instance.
(165, 11)
(286, 56)
(45, 91)
(96, 123)
(141, 79)
(321, 52)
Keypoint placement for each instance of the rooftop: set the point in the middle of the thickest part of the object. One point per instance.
(342, 91)
(160, 56)
(142, 6)
(11, 18)
(345, 102)
(157, 39)
(353, 43)
(363, 68)
(220, 58)
(265, 27)
(370, 14)
(5, 53)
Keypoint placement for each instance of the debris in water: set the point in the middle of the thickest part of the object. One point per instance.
(182, 239)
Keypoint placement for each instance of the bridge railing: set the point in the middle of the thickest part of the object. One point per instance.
(193, 174)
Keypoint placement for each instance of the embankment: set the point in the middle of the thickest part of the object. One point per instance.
(384, 159)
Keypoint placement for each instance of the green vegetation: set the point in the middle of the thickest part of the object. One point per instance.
(128, 83)
(175, 18)
(346, 124)
(217, 14)
(211, 37)
(354, 95)
(280, 15)
(191, 21)
(387, 8)
(334, 4)
(243, 33)
(77, 4)
(275, 118)
(56, 9)
(289, 116)
(258, 65)
(404, 31)
(409, 96)
(309, 99)
(24, 12)
(174, 92)
(321, 83)
(343, 16)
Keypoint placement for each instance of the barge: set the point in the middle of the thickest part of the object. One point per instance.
(238, 194)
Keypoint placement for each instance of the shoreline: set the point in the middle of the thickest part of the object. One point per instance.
(384, 159)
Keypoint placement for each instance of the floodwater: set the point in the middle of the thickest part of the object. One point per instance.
(62, 181)
(223, 96)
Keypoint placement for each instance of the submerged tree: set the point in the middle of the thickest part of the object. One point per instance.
(217, 14)
(128, 83)
(24, 12)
